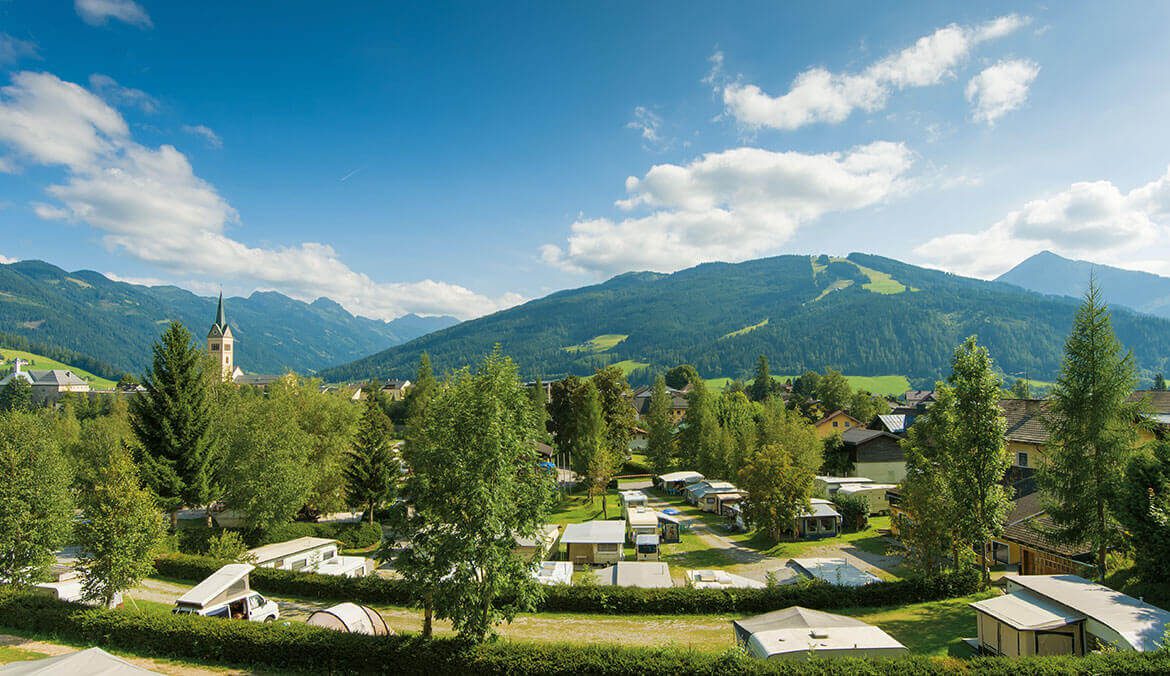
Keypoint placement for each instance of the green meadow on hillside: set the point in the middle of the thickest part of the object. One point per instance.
(597, 344)
(890, 386)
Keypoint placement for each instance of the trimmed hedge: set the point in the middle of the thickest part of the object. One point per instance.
(298, 647)
(600, 599)
(350, 535)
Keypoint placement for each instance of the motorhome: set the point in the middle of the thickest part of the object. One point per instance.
(227, 594)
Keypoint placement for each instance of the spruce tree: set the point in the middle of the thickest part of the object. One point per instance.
(698, 441)
(1159, 383)
(539, 398)
(16, 395)
(762, 386)
(171, 420)
(660, 445)
(421, 389)
(613, 392)
(373, 469)
(930, 536)
(1092, 431)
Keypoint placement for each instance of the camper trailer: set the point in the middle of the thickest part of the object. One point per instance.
(227, 594)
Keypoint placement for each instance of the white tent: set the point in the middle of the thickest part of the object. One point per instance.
(91, 662)
(350, 618)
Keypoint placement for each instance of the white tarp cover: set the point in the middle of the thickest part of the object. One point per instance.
(554, 572)
(91, 662)
(721, 579)
(836, 571)
(350, 618)
(217, 583)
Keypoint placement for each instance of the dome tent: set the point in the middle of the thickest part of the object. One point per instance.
(350, 618)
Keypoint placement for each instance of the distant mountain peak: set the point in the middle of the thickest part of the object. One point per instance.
(1050, 273)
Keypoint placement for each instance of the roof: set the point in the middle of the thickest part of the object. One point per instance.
(823, 639)
(1159, 400)
(721, 579)
(834, 414)
(893, 423)
(680, 476)
(220, 327)
(1142, 625)
(794, 618)
(216, 584)
(842, 480)
(849, 489)
(90, 662)
(642, 516)
(1031, 531)
(861, 435)
(821, 508)
(280, 550)
(52, 377)
(594, 532)
(1025, 420)
(544, 537)
(645, 574)
(1025, 507)
(1026, 611)
(834, 571)
(646, 539)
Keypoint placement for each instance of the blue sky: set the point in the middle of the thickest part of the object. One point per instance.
(458, 157)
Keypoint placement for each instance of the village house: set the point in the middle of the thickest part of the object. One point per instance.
(875, 454)
(894, 423)
(594, 542)
(396, 389)
(46, 386)
(1065, 615)
(678, 402)
(836, 422)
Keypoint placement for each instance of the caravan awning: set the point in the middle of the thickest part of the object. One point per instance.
(1026, 612)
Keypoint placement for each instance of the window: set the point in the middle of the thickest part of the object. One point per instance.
(215, 347)
(1022, 459)
(834, 423)
(847, 423)
(607, 547)
(299, 564)
(227, 348)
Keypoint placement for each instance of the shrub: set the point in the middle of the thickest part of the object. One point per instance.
(227, 546)
(603, 599)
(854, 511)
(301, 648)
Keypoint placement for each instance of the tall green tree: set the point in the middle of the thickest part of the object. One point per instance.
(475, 486)
(1021, 389)
(806, 384)
(736, 417)
(978, 457)
(930, 533)
(1159, 383)
(762, 386)
(1092, 431)
(864, 406)
(564, 415)
(330, 421)
(539, 397)
(613, 392)
(172, 419)
(698, 440)
(373, 471)
(682, 375)
(592, 456)
(122, 527)
(834, 391)
(1143, 509)
(421, 389)
(36, 510)
(778, 474)
(660, 444)
(16, 395)
(266, 471)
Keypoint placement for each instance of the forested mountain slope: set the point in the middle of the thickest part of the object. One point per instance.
(1047, 272)
(115, 323)
(864, 315)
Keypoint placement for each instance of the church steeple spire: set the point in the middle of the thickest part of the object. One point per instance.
(220, 317)
(220, 341)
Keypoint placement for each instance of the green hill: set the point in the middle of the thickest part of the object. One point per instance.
(863, 315)
(115, 323)
(38, 362)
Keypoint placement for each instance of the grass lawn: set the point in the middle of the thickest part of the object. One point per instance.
(745, 330)
(12, 654)
(577, 508)
(40, 363)
(628, 366)
(596, 344)
(932, 628)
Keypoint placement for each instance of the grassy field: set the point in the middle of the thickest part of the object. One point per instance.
(628, 366)
(40, 363)
(933, 628)
(890, 386)
(745, 330)
(835, 286)
(880, 282)
(578, 508)
(596, 344)
(10, 654)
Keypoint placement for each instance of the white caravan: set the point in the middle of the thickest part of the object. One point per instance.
(227, 594)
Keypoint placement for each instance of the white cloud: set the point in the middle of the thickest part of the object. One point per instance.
(1000, 89)
(99, 12)
(117, 95)
(207, 133)
(150, 203)
(729, 206)
(649, 126)
(1089, 219)
(14, 49)
(820, 95)
(5, 260)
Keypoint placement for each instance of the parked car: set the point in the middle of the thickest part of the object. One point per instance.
(227, 594)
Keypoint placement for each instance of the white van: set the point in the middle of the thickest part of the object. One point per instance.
(226, 594)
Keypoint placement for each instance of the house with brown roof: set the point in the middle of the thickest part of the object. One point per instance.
(678, 402)
(1026, 435)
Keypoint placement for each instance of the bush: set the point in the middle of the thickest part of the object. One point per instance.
(350, 535)
(602, 599)
(854, 511)
(301, 648)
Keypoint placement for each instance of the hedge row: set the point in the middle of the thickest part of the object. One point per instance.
(298, 647)
(599, 599)
(351, 535)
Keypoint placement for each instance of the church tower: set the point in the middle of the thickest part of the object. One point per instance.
(219, 342)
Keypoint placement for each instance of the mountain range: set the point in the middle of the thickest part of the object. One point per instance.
(115, 323)
(1049, 273)
(863, 315)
